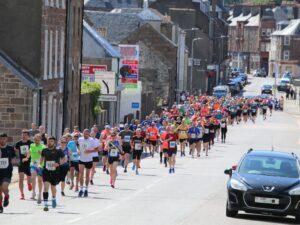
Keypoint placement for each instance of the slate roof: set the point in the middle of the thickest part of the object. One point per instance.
(18, 71)
(147, 14)
(293, 29)
(253, 21)
(111, 4)
(118, 25)
(95, 40)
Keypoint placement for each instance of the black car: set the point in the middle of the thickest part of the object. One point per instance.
(265, 182)
(266, 89)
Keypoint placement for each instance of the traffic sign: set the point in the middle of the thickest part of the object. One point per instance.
(107, 98)
(135, 105)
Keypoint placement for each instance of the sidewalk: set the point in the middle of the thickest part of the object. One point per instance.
(292, 106)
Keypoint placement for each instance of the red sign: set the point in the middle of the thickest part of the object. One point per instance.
(89, 70)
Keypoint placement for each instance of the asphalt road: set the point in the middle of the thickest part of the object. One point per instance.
(195, 194)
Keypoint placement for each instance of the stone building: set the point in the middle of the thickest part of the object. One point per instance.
(285, 54)
(52, 31)
(108, 5)
(18, 88)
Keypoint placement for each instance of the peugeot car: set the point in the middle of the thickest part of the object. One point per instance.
(264, 182)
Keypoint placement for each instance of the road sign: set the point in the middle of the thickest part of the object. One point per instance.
(135, 105)
(107, 98)
(107, 79)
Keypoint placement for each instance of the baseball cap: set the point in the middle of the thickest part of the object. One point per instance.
(107, 127)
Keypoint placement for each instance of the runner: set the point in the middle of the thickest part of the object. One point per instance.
(172, 139)
(223, 130)
(264, 109)
(165, 145)
(162, 130)
(206, 136)
(126, 135)
(153, 135)
(73, 147)
(86, 146)
(63, 168)
(22, 149)
(34, 155)
(44, 136)
(50, 160)
(113, 147)
(137, 146)
(7, 158)
(199, 139)
(104, 135)
(183, 136)
(245, 113)
(94, 154)
(193, 133)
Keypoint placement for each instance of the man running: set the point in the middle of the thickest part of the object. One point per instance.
(73, 147)
(153, 135)
(7, 159)
(172, 139)
(86, 146)
(34, 155)
(104, 135)
(50, 160)
(137, 146)
(126, 135)
(64, 167)
(22, 148)
(193, 133)
(95, 154)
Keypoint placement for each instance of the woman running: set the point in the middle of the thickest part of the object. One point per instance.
(206, 137)
(172, 139)
(183, 136)
(223, 130)
(137, 143)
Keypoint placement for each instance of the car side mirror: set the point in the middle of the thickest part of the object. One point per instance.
(234, 167)
(228, 172)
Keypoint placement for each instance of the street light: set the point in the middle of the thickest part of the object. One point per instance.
(192, 59)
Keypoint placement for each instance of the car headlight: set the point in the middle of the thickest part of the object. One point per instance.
(295, 191)
(237, 185)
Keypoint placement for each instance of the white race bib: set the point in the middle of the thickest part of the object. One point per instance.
(182, 132)
(206, 131)
(138, 146)
(113, 153)
(24, 149)
(4, 163)
(223, 125)
(172, 144)
(126, 138)
(193, 136)
(83, 147)
(50, 165)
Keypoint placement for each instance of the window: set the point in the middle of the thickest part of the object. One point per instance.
(268, 48)
(57, 3)
(46, 55)
(63, 4)
(263, 32)
(62, 45)
(269, 31)
(55, 54)
(263, 47)
(50, 55)
(287, 40)
(46, 3)
(102, 31)
(286, 55)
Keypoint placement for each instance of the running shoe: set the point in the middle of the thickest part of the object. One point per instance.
(125, 171)
(122, 163)
(85, 194)
(22, 197)
(63, 193)
(29, 186)
(80, 193)
(173, 170)
(136, 172)
(92, 182)
(33, 196)
(133, 167)
(39, 201)
(1, 209)
(107, 172)
(161, 161)
(46, 209)
(6, 201)
(113, 186)
(104, 168)
(54, 203)
(170, 171)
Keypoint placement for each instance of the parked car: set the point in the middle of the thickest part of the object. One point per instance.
(241, 81)
(264, 182)
(234, 86)
(266, 89)
(289, 76)
(221, 91)
(284, 84)
(234, 72)
(243, 76)
(260, 73)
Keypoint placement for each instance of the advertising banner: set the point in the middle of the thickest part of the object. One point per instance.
(88, 71)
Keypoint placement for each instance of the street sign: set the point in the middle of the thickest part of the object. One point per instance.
(107, 98)
(135, 105)
(197, 62)
(107, 80)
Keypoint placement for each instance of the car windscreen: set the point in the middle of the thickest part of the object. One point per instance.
(269, 166)
(219, 91)
(267, 87)
(284, 82)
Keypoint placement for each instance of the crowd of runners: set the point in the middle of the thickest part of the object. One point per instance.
(189, 129)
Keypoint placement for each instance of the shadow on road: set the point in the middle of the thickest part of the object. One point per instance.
(266, 219)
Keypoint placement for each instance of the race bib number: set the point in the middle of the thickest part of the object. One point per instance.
(152, 134)
(193, 136)
(206, 131)
(212, 131)
(127, 138)
(245, 111)
(113, 153)
(50, 165)
(182, 132)
(138, 146)
(34, 162)
(172, 144)
(254, 110)
(4, 163)
(223, 125)
(83, 147)
(24, 149)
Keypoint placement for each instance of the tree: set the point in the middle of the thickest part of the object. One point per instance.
(94, 90)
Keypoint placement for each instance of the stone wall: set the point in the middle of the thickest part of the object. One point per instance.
(15, 105)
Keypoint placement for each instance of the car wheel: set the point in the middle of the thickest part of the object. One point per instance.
(229, 212)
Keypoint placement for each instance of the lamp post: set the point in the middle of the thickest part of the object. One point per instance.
(192, 65)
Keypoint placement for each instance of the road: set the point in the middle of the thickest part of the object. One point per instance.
(195, 194)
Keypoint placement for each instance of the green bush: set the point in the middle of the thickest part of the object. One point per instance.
(94, 90)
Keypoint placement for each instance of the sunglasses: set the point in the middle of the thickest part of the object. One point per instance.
(63, 142)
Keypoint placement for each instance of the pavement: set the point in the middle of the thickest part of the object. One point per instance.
(195, 194)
